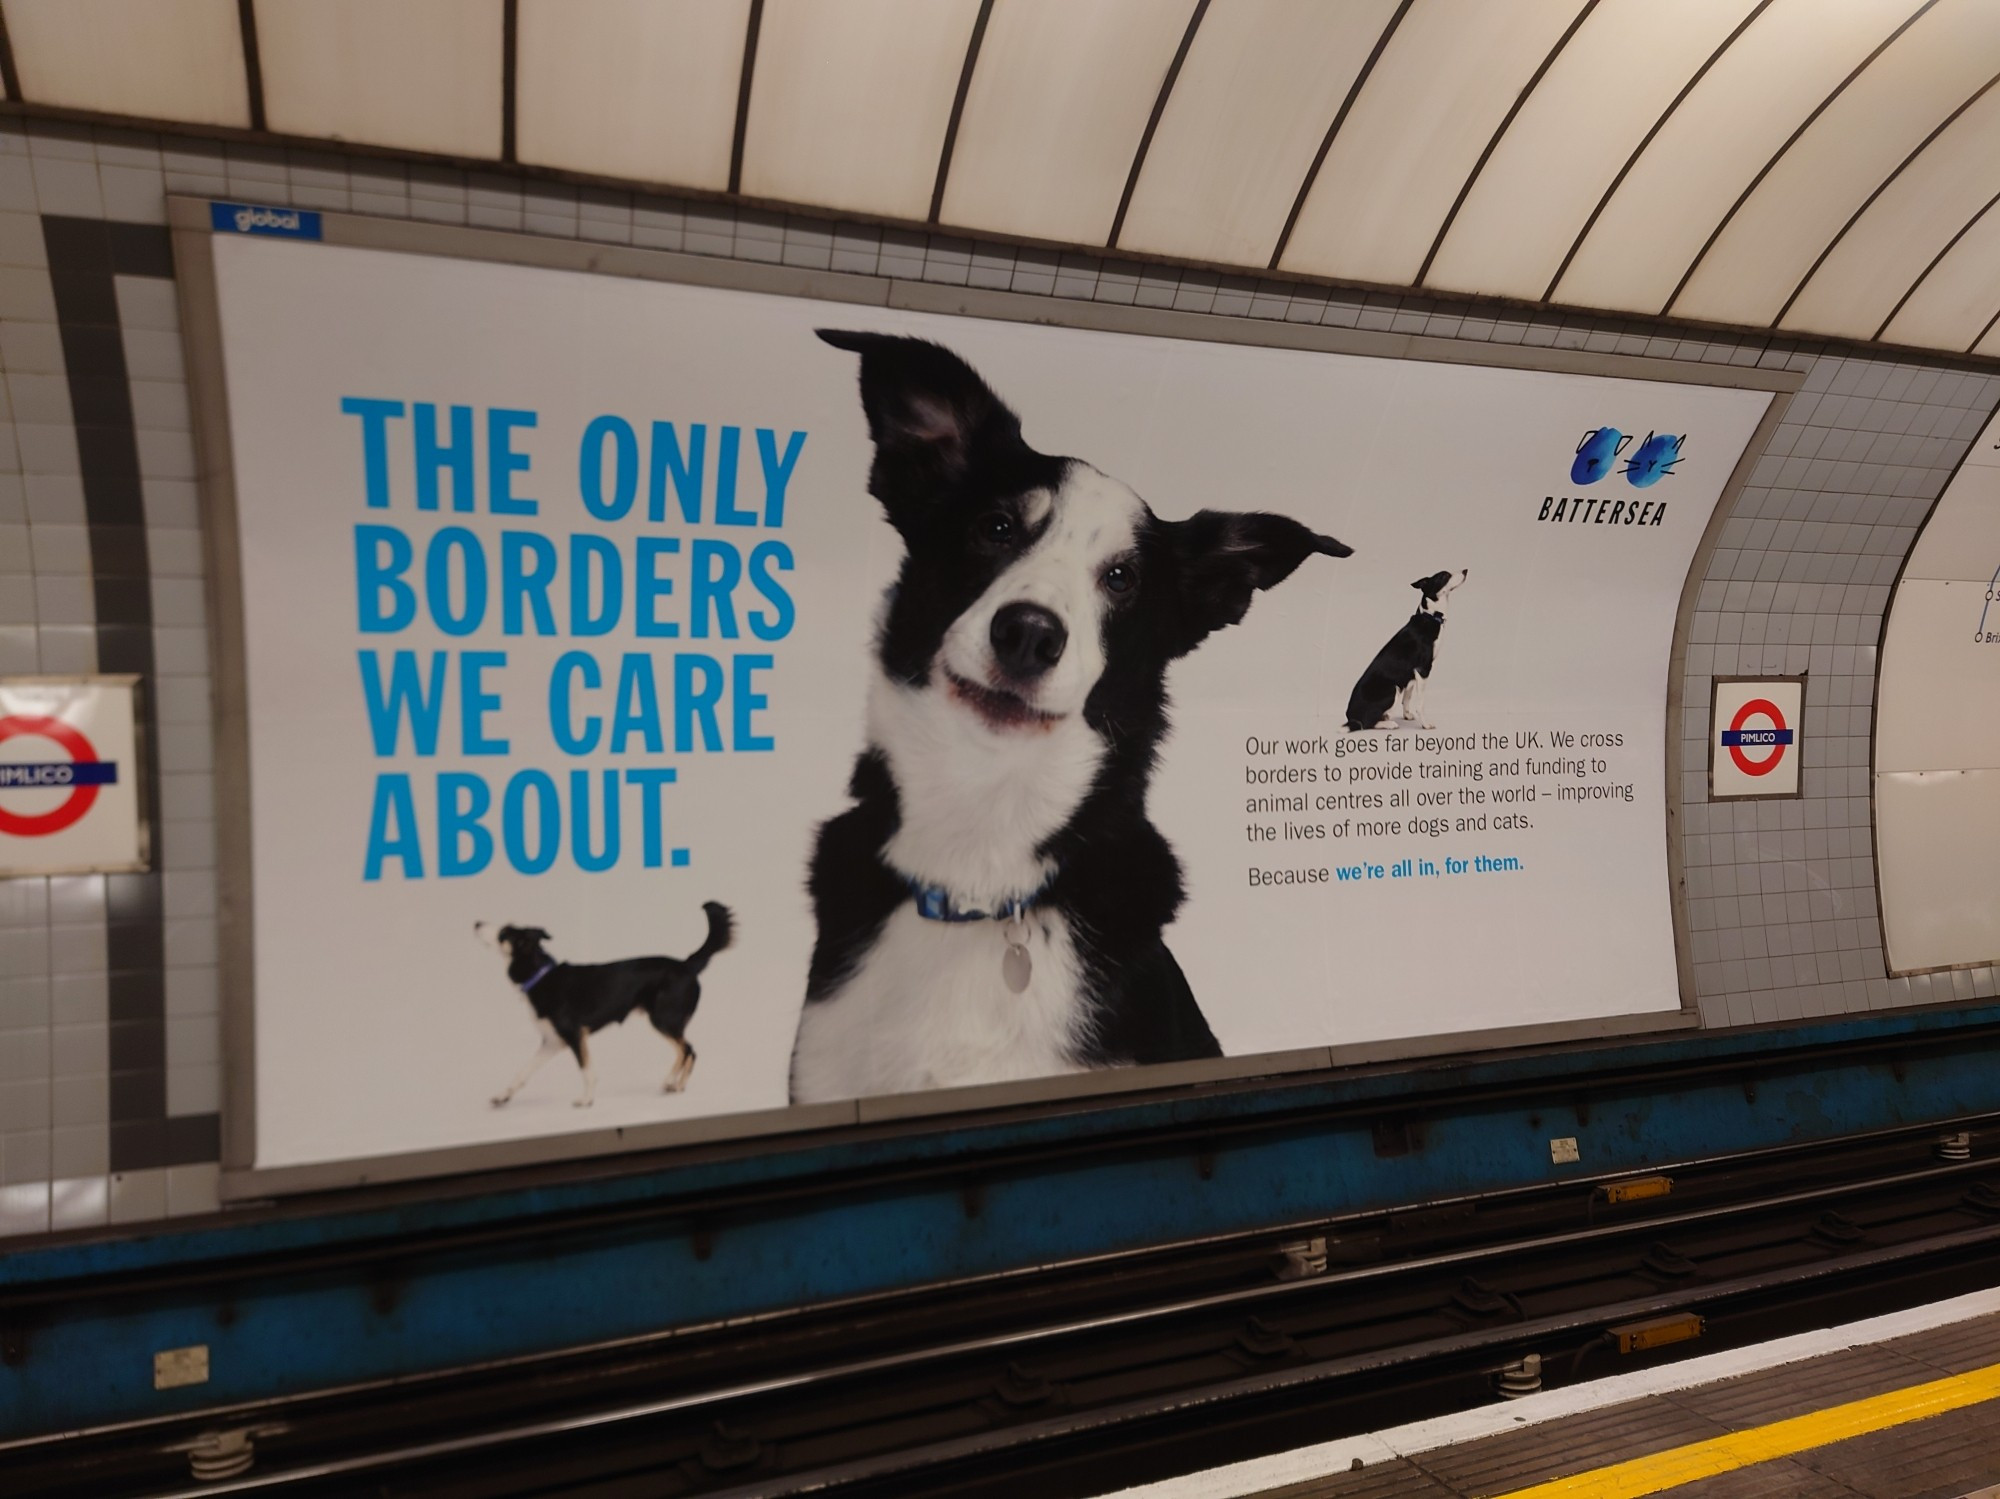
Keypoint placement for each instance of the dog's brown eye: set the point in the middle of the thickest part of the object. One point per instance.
(1120, 577)
(996, 527)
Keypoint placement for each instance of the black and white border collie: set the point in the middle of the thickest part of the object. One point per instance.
(572, 1000)
(1395, 680)
(991, 906)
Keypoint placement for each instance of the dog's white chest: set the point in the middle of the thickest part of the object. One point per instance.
(928, 1008)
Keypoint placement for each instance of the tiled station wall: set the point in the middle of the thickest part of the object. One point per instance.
(108, 985)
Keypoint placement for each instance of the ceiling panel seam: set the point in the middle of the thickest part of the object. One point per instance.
(1778, 156)
(751, 27)
(253, 62)
(1935, 260)
(1983, 332)
(1855, 217)
(8, 75)
(958, 106)
(1465, 188)
(1153, 122)
(1339, 119)
(510, 74)
(1640, 149)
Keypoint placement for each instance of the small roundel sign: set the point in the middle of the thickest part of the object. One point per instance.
(79, 776)
(1754, 738)
(68, 794)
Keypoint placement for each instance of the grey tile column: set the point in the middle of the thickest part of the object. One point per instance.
(86, 256)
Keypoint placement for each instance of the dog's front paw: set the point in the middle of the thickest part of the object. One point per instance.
(501, 1100)
(1426, 725)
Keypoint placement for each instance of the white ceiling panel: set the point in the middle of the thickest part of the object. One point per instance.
(1780, 70)
(1828, 166)
(1442, 87)
(1885, 252)
(1538, 188)
(1848, 152)
(420, 76)
(1055, 113)
(1958, 297)
(641, 89)
(1261, 84)
(176, 60)
(849, 102)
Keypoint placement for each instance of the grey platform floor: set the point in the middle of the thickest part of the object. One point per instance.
(1950, 1456)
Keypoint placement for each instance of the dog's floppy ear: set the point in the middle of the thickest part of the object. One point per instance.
(1225, 557)
(533, 934)
(928, 412)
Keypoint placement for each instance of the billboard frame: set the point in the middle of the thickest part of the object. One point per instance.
(193, 235)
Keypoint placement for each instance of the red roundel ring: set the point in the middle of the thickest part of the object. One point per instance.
(1744, 763)
(80, 798)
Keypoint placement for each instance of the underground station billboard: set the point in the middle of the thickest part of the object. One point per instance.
(670, 703)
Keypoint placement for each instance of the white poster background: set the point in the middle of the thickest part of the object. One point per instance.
(108, 837)
(381, 1027)
(1937, 744)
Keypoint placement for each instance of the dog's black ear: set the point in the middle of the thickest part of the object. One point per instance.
(534, 934)
(1225, 557)
(929, 413)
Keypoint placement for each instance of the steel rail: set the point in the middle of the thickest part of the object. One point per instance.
(1243, 1297)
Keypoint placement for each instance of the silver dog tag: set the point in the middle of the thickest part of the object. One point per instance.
(1016, 967)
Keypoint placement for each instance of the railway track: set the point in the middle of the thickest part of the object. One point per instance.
(1085, 1377)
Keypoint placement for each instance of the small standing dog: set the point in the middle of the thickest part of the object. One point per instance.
(570, 1000)
(991, 906)
(1395, 680)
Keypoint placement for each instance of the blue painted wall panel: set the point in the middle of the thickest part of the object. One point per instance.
(800, 1225)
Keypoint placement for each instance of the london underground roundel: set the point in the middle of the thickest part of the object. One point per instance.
(1754, 745)
(68, 794)
(77, 771)
(1745, 729)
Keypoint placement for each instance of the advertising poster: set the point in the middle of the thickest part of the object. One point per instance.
(1937, 742)
(669, 702)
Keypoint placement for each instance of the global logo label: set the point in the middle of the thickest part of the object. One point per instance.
(256, 218)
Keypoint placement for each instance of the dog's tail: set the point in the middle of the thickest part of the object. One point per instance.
(721, 927)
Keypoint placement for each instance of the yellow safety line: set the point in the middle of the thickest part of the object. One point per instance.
(1742, 1449)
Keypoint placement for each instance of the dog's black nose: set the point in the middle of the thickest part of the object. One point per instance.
(1027, 640)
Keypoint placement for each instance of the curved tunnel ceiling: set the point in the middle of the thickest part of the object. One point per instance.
(1804, 166)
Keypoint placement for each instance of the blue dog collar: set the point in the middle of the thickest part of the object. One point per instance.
(935, 903)
(540, 973)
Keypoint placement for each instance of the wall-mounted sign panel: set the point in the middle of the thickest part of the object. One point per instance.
(1937, 733)
(587, 684)
(70, 780)
(1755, 734)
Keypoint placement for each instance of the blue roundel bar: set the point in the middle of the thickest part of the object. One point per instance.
(1755, 736)
(57, 774)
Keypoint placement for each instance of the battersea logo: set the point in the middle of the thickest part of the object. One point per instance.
(253, 218)
(1599, 450)
(1602, 452)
